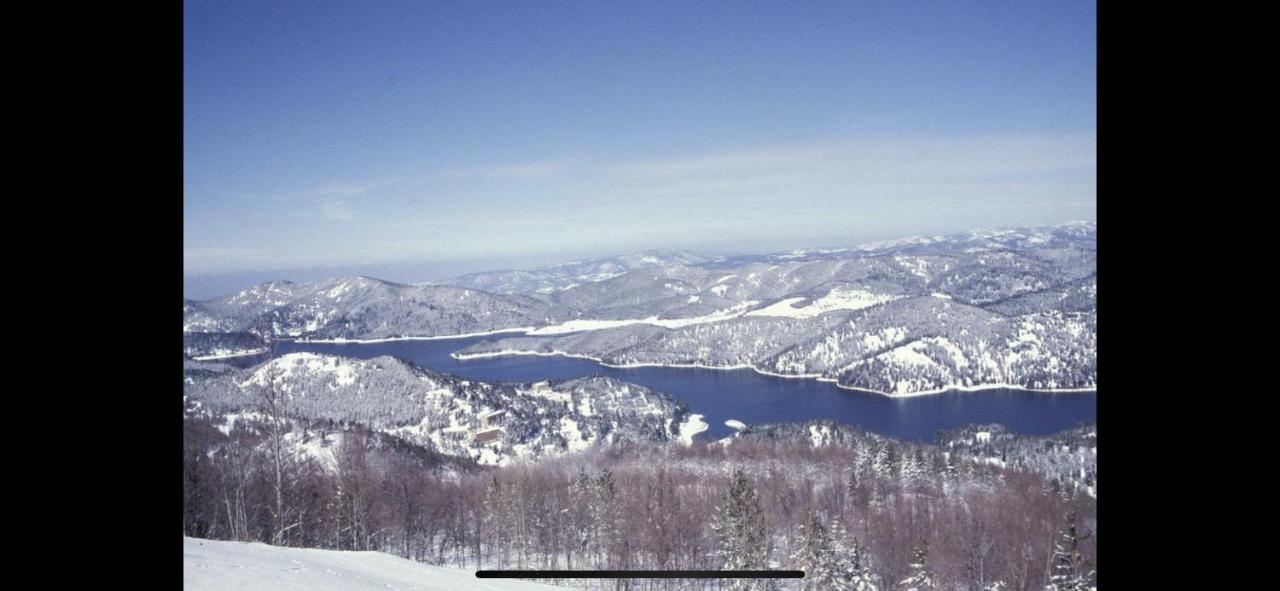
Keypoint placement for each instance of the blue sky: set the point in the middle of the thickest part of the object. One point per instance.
(432, 138)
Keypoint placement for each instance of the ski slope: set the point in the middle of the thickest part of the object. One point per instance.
(242, 566)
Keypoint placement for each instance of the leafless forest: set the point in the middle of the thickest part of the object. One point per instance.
(866, 513)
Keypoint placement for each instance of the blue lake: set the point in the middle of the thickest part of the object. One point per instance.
(750, 397)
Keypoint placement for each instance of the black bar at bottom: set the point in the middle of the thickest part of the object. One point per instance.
(640, 574)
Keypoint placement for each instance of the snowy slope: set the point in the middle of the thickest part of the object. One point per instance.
(217, 565)
(438, 411)
(361, 307)
(903, 317)
(900, 347)
(667, 289)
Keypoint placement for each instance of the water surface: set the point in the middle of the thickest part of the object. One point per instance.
(754, 398)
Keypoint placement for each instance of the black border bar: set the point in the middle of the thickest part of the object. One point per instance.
(639, 574)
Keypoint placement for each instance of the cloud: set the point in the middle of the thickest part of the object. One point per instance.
(519, 171)
(900, 161)
(332, 202)
(336, 209)
(801, 173)
(782, 196)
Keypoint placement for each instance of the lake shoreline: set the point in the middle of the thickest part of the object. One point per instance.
(816, 377)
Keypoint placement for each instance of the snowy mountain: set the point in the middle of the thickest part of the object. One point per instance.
(547, 280)
(983, 308)
(218, 565)
(361, 307)
(490, 423)
(901, 347)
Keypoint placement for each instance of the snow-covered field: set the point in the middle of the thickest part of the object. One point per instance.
(836, 299)
(588, 325)
(692, 426)
(216, 565)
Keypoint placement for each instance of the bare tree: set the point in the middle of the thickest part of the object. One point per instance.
(277, 421)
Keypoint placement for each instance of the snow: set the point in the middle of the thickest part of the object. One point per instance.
(230, 419)
(836, 299)
(320, 449)
(430, 338)
(229, 353)
(544, 390)
(569, 430)
(343, 370)
(692, 425)
(587, 324)
(217, 565)
(486, 456)
(819, 435)
(909, 356)
(735, 424)
(582, 325)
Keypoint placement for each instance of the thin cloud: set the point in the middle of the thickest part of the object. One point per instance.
(524, 170)
(789, 196)
(337, 209)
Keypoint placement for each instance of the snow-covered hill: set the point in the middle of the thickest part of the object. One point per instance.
(983, 308)
(547, 280)
(217, 566)
(361, 307)
(439, 412)
(901, 347)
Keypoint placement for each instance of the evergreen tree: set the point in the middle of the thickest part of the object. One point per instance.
(815, 555)
(1064, 574)
(853, 572)
(921, 578)
(739, 528)
(912, 470)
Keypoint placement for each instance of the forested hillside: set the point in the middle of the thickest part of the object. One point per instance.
(851, 508)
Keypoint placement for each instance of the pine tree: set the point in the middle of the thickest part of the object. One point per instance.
(815, 555)
(913, 467)
(853, 573)
(921, 578)
(1065, 572)
(739, 528)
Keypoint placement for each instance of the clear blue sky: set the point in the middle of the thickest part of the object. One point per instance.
(432, 138)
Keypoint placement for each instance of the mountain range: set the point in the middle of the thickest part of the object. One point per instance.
(1010, 307)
